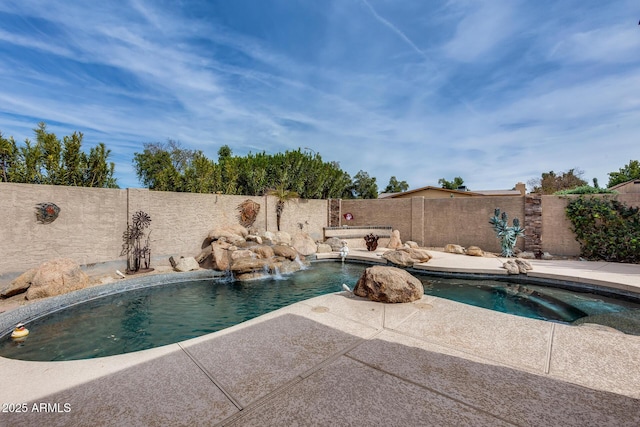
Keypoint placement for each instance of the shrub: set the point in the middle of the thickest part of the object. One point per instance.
(585, 189)
(606, 229)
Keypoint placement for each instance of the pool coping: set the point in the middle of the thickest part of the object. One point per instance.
(46, 306)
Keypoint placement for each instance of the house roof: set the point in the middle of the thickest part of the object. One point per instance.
(429, 187)
(622, 184)
(448, 191)
(500, 192)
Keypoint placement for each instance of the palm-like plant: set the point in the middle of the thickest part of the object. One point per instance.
(283, 194)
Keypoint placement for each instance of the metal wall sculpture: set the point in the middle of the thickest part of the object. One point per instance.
(47, 212)
(138, 255)
(248, 212)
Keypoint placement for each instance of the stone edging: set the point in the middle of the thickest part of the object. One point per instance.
(44, 307)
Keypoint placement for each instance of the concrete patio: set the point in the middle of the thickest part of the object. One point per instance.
(341, 360)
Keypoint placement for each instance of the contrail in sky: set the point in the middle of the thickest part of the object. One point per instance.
(453, 91)
(394, 29)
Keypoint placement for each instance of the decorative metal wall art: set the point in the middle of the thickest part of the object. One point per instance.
(47, 212)
(138, 253)
(248, 212)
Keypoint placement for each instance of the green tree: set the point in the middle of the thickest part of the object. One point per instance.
(627, 173)
(49, 161)
(73, 160)
(160, 166)
(99, 173)
(51, 151)
(551, 183)
(396, 187)
(451, 185)
(170, 168)
(202, 175)
(364, 186)
(8, 158)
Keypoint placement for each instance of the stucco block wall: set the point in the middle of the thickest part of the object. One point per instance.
(557, 237)
(88, 228)
(437, 222)
(465, 221)
(395, 213)
(180, 222)
(307, 215)
(92, 221)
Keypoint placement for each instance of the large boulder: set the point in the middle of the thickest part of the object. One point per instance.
(221, 261)
(523, 265)
(263, 251)
(247, 265)
(268, 237)
(56, 277)
(323, 248)
(304, 244)
(254, 238)
(282, 238)
(187, 264)
(420, 255)
(19, 285)
(204, 254)
(241, 253)
(285, 252)
(400, 258)
(394, 241)
(388, 284)
(474, 251)
(511, 267)
(406, 257)
(454, 249)
(335, 243)
(231, 233)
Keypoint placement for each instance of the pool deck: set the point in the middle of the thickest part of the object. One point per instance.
(343, 360)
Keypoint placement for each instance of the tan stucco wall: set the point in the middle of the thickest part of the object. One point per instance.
(395, 213)
(91, 222)
(465, 221)
(88, 228)
(437, 222)
(307, 215)
(557, 237)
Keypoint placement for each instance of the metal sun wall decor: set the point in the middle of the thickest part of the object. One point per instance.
(47, 212)
(248, 212)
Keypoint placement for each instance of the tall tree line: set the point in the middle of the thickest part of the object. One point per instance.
(48, 160)
(169, 167)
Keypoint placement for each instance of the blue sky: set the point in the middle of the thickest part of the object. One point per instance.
(494, 91)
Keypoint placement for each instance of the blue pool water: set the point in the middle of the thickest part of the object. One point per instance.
(151, 317)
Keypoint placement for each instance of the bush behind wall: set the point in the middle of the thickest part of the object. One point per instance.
(606, 229)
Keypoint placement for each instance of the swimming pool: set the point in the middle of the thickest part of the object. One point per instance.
(150, 317)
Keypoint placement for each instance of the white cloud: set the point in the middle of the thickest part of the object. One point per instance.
(125, 74)
(613, 44)
(482, 26)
